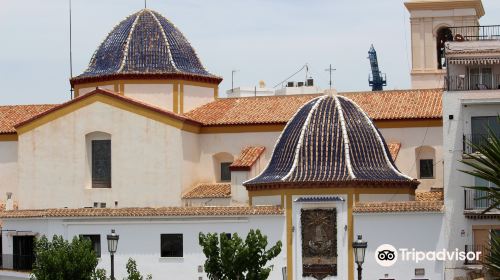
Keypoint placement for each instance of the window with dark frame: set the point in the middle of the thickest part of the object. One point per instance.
(95, 239)
(426, 168)
(101, 163)
(225, 173)
(172, 245)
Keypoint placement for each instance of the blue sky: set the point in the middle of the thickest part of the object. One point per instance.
(263, 39)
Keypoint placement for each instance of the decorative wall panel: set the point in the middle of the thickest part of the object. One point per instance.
(319, 242)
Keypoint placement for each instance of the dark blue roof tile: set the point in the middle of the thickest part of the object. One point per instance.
(145, 43)
(330, 140)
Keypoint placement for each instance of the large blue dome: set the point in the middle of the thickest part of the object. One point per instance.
(330, 141)
(145, 43)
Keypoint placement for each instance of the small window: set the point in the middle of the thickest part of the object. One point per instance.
(426, 168)
(95, 239)
(225, 173)
(171, 245)
(101, 163)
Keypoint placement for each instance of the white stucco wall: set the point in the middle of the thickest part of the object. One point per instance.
(140, 240)
(232, 143)
(411, 139)
(147, 161)
(421, 231)
(86, 90)
(385, 197)
(8, 170)
(195, 96)
(462, 106)
(342, 236)
(160, 95)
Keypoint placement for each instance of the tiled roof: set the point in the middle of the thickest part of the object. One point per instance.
(436, 194)
(401, 206)
(330, 139)
(400, 104)
(247, 158)
(380, 105)
(144, 212)
(11, 115)
(100, 91)
(207, 190)
(145, 43)
(250, 110)
(394, 149)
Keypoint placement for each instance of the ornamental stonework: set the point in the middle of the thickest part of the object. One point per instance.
(319, 242)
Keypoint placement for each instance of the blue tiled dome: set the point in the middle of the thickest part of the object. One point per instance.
(145, 43)
(331, 140)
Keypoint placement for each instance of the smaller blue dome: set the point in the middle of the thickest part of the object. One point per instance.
(331, 141)
(145, 43)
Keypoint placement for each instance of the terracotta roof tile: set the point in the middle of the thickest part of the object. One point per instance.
(401, 206)
(144, 212)
(400, 104)
(11, 115)
(100, 91)
(207, 190)
(381, 105)
(394, 149)
(250, 110)
(433, 195)
(247, 158)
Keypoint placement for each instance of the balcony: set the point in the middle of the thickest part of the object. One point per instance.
(475, 33)
(17, 262)
(473, 203)
(476, 248)
(472, 82)
(471, 140)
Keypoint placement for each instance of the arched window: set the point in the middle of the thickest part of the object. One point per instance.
(222, 161)
(443, 35)
(99, 157)
(426, 158)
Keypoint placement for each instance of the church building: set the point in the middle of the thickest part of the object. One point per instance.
(147, 147)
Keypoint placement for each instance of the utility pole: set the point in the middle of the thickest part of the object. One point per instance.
(232, 79)
(70, 52)
(330, 69)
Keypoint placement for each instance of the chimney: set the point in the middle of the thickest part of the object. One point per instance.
(9, 205)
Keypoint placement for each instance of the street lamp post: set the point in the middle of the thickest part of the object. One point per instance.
(112, 246)
(359, 247)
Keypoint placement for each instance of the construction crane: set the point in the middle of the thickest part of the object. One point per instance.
(376, 79)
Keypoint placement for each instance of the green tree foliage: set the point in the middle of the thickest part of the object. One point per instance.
(492, 259)
(485, 164)
(235, 259)
(133, 273)
(61, 260)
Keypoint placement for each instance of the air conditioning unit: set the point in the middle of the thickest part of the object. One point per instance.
(300, 84)
(310, 82)
(99, 204)
(290, 84)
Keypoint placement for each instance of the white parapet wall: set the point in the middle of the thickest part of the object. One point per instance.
(140, 240)
(419, 231)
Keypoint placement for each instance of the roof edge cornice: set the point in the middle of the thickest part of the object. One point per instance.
(145, 76)
(446, 4)
(99, 94)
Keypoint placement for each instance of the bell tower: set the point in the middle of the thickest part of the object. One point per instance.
(430, 22)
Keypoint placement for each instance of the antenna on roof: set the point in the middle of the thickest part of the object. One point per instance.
(330, 69)
(70, 53)
(145, 4)
(306, 67)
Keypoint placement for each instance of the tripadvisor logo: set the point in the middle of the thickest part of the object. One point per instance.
(387, 255)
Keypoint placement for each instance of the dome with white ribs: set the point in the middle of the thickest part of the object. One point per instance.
(147, 44)
(331, 141)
